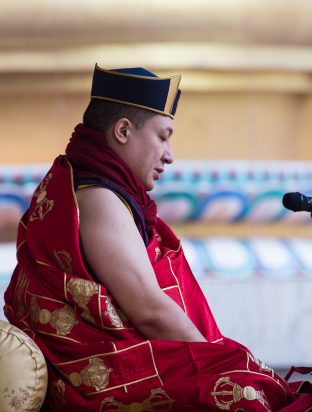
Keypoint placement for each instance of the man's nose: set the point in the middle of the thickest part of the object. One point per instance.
(168, 155)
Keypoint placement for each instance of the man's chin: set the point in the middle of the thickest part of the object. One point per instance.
(149, 186)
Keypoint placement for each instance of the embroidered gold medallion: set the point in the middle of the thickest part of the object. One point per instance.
(158, 401)
(82, 291)
(43, 204)
(62, 319)
(96, 375)
(226, 392)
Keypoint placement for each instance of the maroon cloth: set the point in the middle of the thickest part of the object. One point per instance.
(93, 160)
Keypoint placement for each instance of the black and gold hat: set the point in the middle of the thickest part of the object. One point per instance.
(137, 87)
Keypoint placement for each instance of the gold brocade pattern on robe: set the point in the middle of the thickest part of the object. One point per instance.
(95, 375)
(43, 204)
(226, 393)
(62, 319)
(82, 291)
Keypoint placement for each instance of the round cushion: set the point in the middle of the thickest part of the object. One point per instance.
(24, 376)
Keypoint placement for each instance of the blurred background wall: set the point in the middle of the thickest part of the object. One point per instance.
(247, 96)
(246, 68)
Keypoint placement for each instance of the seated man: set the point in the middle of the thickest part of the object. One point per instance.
(102, 285)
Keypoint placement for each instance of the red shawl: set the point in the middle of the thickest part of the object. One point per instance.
(94, 161)
(97, 361)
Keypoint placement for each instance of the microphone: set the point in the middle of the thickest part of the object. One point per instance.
(297, 202)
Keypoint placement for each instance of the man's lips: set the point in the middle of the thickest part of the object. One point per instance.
(157, 173)
(159, 170)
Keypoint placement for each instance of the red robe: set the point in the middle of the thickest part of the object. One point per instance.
(97, 360)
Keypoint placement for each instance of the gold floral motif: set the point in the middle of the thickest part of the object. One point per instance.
(82, 291)
(225, 393)
(34, 310)
(64, 260)
(43, 204)
(158, 401)
(63, 319)
(111, 312)
(96, 375)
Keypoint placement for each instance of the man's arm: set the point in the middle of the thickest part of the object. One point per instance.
(116, 252)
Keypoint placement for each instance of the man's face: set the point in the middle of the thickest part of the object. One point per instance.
(149, 149)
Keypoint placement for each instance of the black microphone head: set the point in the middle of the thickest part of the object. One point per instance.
(293, 201)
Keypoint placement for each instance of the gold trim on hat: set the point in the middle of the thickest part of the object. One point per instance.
(172, 93)
(134, 105)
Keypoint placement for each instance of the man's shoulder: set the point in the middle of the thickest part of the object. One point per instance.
(99, 200)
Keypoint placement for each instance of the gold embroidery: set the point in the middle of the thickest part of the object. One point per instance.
(58, 394)
(111, 312)
(157, 254)
(96, 374)
(262, 366)
(72, 187)
(21, 287)
(43, 205)
(116, 352)
(64, 260)
(217, 340)
(233, 393)
(154, 363)
(65, 338)
(173, 251)
(20, 245)
(105, 354)
(158, 401)
(22, 224)
(82, 291)
(63, 319)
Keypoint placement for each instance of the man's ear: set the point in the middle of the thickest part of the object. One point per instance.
(121, 130)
